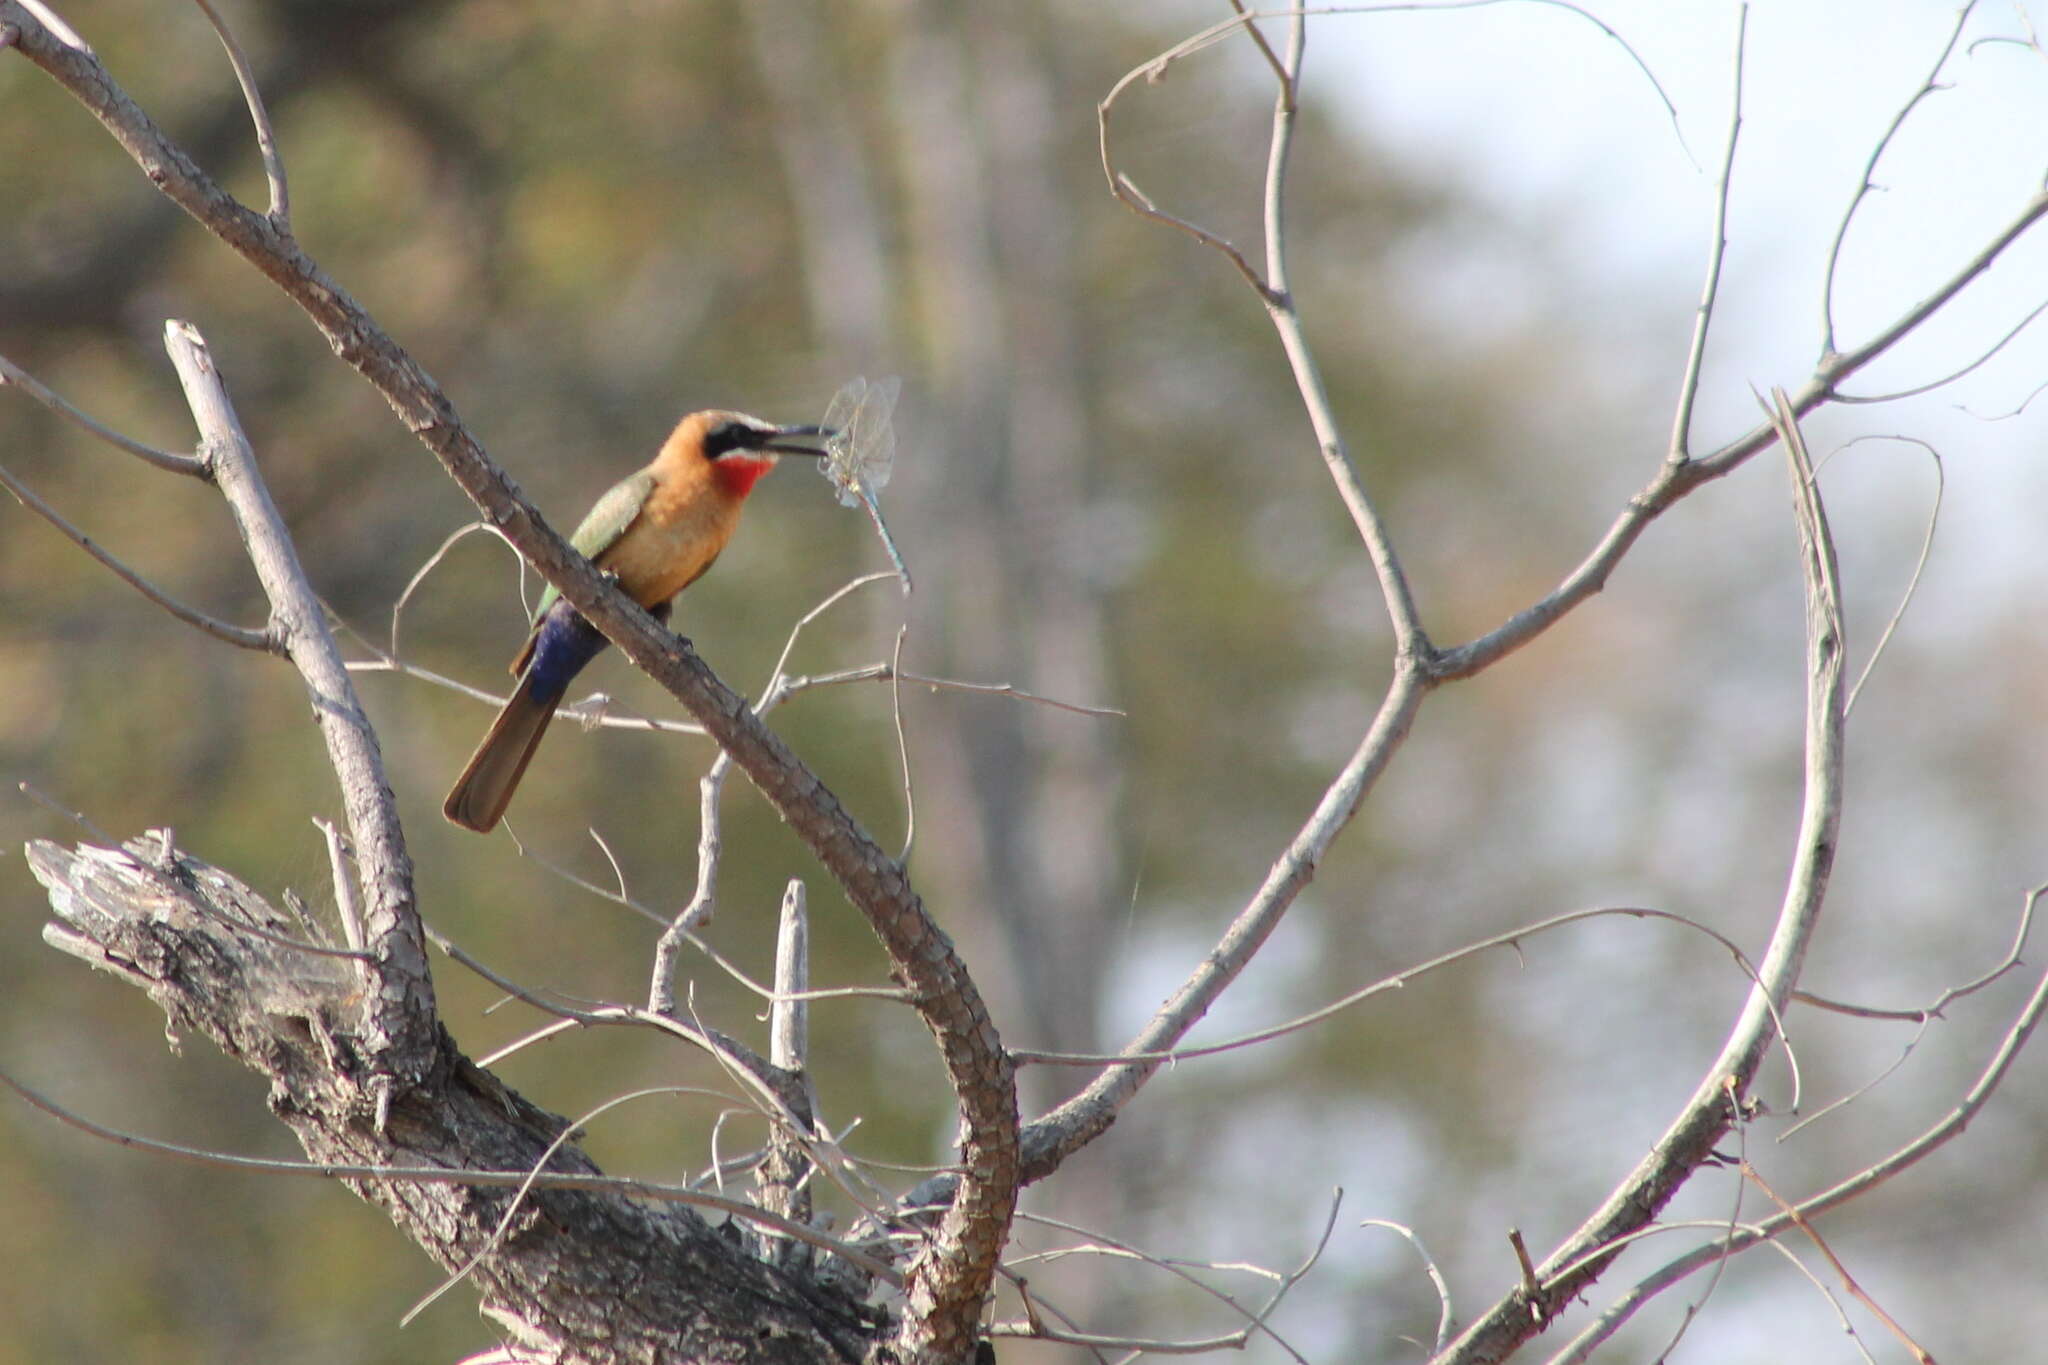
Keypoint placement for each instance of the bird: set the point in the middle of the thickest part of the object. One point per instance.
(654, 533)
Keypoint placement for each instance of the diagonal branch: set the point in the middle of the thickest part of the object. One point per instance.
(951, 1281)
(1673, 482)
(10, 373)
(399, 1005)
(1949, 1126)
(240, 636)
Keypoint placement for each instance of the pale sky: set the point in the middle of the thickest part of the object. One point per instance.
(1536, 112)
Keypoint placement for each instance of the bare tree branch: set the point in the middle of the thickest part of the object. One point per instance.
(1949, 1126)
(1051, 1139)
(399, 1004)
(266, 136)
(786, 1171)
(242, 637)
(1717, 1102)
(1866, 184)
(1710, 292)
(10, 373)
(1848, 1281)
(951, 1280)
(189, 939)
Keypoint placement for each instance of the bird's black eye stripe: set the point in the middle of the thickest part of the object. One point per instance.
(727, 437)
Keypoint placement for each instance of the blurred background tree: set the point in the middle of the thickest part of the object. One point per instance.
(587, 224)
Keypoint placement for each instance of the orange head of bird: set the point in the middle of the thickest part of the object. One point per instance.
(739, 448)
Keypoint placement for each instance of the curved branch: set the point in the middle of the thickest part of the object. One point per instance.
(1721, 1095)
(266, 135)
(949, 1283)
(1866, 184)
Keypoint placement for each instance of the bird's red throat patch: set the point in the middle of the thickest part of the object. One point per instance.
(737, 474)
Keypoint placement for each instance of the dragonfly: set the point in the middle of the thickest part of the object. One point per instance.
(861, 453)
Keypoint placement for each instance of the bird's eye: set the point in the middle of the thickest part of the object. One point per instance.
(727, 437)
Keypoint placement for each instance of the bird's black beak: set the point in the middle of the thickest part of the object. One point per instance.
(774, 442)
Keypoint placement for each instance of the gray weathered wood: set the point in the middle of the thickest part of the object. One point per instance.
(580, 1276)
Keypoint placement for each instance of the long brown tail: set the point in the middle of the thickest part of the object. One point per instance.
(485, 788)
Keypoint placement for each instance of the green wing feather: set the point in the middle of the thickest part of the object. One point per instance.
(602, 526)
(599, 531)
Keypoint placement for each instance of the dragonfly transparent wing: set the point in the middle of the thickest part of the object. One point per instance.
(861, 452)
(837, 467)
(874, 437)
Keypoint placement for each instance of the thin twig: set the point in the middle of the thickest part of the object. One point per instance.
(1953, 993)
(1510, 938)
(1925, 1017)
(266, 136)
(1445, 1317)
(1866, 184)
(76, 817)
(1848, 1281)
(1951, 377)
(13, 374)
(703, 902)
(242, 637)
(889, 673)
(1891, 625)
(443, 1175)
(2019, 408)
(596, 711)
(710, 951)
(1154, 70)
(902, 743)
(346, 904)
(433, 562)
(1576, 1352)
(1696, 353)
(1257, 1320)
